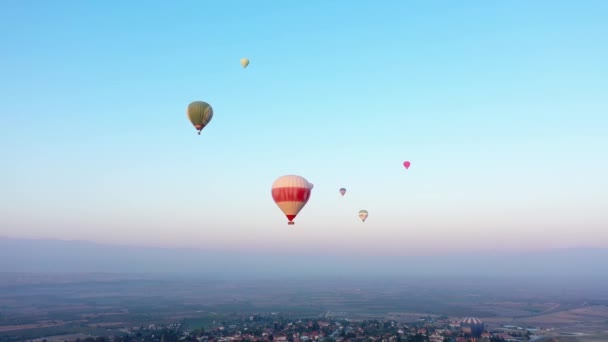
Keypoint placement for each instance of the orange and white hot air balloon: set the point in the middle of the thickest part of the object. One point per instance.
(363, 214)
(291, 193)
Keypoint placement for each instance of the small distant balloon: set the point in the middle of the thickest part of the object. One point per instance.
(199, 113)
(342, 191)
(244, 62)
(407, 164)
(363, 215)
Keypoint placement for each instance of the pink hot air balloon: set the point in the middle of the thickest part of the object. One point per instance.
(406, 164)
(342, 191)
(291, 193)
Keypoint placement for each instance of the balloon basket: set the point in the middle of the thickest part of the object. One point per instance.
(291, 223)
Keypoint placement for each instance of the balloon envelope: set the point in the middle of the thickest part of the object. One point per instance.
(363, 215)
(291, 193)
(406, 164)
(342, 191)
(199, 113)
(244, 62)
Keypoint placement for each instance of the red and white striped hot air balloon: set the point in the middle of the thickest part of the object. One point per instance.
(291, 193)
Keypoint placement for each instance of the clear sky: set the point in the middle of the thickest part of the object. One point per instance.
(501, 106)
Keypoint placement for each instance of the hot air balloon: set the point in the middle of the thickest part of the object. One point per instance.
(363, 215)
(406, 164)
(291, 193)
(199, 113)
(472, 326)
(244, 62)
(342, 191)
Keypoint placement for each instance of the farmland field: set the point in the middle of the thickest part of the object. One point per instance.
(31, 305)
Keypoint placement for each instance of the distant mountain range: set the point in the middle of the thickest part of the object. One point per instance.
(28, 255)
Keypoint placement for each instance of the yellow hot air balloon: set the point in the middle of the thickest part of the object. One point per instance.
(244, 62)
(199, 113)
(363, 215)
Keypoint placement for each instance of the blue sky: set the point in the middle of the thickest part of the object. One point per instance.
(500, 106)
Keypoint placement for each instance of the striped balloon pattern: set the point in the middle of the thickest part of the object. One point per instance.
(363, 215)
(199, 113)
(291, 193)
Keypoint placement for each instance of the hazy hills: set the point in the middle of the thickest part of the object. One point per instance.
(25, 255)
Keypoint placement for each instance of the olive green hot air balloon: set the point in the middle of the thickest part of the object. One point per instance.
(244, 62)
(199, 113)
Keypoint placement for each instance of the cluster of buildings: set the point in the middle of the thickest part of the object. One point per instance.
(274, 329)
